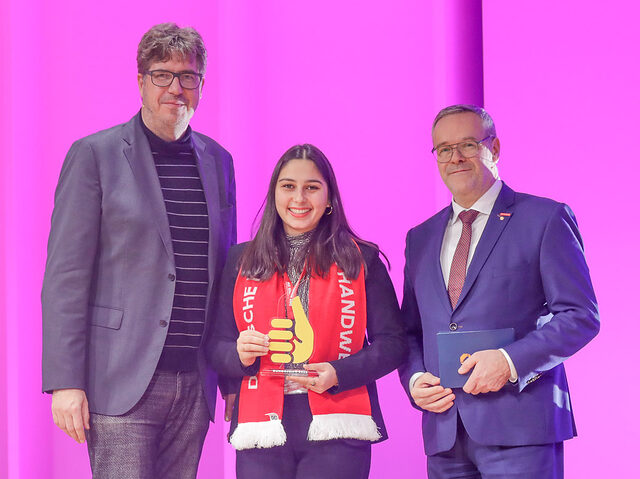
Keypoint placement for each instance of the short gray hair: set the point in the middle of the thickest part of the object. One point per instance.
(166, 41)
(487, 121)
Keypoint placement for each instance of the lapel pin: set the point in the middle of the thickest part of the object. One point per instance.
(502, 216)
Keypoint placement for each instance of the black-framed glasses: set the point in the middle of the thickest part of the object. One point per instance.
(466, 148)
(164, 78)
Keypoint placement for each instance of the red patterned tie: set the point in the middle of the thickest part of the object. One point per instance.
(460, 257)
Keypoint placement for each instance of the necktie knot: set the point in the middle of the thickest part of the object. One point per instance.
(468, 217)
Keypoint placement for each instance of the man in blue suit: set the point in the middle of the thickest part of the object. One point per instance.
(144, 216)
(494, 259)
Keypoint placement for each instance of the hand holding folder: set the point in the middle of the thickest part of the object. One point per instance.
(456, 347)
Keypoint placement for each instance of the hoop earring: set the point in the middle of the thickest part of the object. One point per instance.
(329, 210)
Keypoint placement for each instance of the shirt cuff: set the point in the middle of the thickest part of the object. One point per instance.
(414, 378)
(512, 368)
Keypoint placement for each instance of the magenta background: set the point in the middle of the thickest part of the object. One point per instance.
(362, 80)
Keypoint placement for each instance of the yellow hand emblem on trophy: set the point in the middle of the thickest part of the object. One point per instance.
(287, 346)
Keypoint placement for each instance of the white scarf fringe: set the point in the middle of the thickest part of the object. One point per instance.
(343, 426)
(251, 435)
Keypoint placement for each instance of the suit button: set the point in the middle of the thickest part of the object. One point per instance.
(171, 276)
(163, 323)
(453, 326)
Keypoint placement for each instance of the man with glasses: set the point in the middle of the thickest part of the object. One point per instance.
(492, 260)
(144, 216)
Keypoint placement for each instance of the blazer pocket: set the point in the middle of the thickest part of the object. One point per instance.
(523, 268)
(106, 317)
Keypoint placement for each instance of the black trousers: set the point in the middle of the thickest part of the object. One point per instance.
(299, 458)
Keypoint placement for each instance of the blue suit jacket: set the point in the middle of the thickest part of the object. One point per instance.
(528, 272)
(109, 279)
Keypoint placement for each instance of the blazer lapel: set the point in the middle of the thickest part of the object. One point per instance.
(209, 177)
(138, 154)
(492, 231)
(433, 255)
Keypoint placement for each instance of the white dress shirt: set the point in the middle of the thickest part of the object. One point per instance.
(452, 234)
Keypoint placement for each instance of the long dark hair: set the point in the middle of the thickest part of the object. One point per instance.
(332, 241)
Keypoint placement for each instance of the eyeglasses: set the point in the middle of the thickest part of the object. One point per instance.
(467, 148)
(164, 78)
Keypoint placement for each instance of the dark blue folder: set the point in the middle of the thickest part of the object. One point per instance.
(454, 346)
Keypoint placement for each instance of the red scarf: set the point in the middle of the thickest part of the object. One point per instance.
(338, 317)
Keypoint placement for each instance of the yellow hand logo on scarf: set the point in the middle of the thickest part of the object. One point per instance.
(287, 346)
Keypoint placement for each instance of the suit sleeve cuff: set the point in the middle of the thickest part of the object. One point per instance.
(512, 368)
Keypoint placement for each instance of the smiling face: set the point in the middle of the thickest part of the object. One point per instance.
(467, 178)
(166, 111)
(302, 196)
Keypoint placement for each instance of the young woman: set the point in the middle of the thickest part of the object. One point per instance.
(307, 319)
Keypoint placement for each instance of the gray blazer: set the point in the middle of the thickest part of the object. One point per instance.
(110, 273)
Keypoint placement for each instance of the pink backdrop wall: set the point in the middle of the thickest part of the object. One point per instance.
(363, 82)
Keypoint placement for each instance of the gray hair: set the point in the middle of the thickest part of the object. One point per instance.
(166, 41)
(487, 121)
